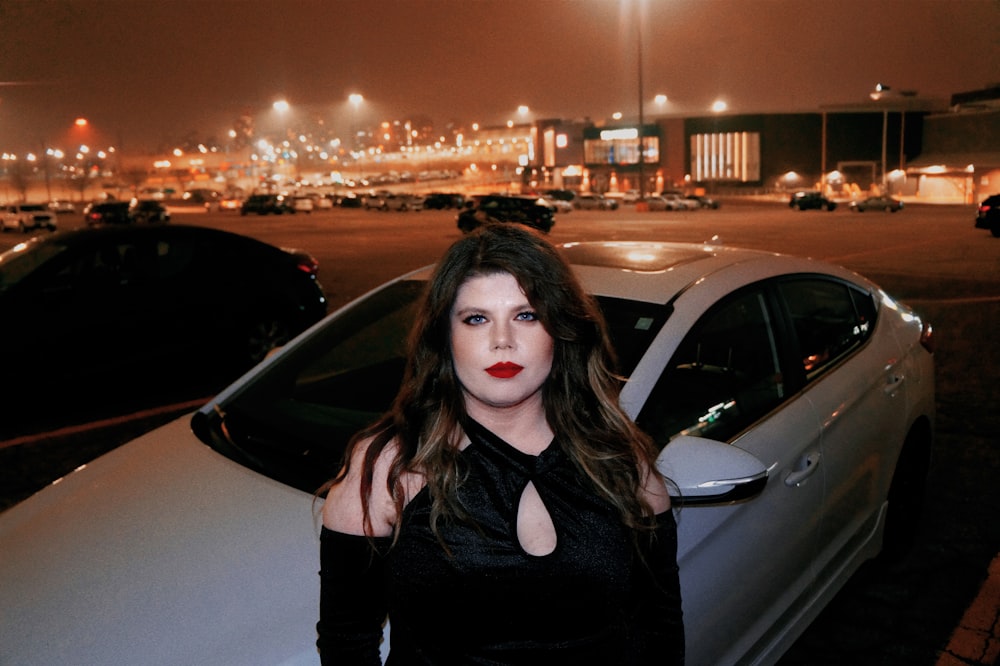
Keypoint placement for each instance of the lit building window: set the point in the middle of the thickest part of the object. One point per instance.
(731, 156)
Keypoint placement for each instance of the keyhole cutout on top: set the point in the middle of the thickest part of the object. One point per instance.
(535, 530)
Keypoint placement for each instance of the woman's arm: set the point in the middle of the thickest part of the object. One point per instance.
(353, 601)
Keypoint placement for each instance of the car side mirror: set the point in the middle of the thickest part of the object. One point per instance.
(708, 472)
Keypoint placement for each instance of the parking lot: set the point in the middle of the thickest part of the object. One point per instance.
(929, 256)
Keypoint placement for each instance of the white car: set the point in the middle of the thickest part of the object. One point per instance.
(594, 202)
(677, 202)
(794, 401)
(302, 204)
(25, 217)
(557, 205)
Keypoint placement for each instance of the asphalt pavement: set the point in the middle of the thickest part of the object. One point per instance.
(940, 605)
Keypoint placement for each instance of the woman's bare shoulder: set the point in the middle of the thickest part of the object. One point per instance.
(344, 510)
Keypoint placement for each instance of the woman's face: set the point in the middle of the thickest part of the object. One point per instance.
(501, 351)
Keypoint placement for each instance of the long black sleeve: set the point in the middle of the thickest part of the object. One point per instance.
(352, 604)
(660, 619)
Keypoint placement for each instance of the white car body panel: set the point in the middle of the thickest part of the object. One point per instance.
(159, 536)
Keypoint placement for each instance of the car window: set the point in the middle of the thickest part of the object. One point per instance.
(830, 319)
(293, 422)
(724, 376)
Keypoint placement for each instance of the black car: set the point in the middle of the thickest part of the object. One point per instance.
(443, 200)
(149, 211)
(504, 208)
(263, 204)
(810, 200)
(108, 212)
(988, 215)
(112, 314)
(703, 201)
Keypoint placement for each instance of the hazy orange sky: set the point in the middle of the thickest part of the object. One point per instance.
(146, 72)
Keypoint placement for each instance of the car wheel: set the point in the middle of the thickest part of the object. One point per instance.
(890, 209)
(995, 230)
(906, 496)
(263, 335)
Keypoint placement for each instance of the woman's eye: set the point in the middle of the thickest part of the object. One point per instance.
(527, 316)
(474, 319)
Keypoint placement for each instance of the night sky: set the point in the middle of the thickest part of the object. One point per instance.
(148, 72)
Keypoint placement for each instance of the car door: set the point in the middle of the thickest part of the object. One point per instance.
(743, 564)
(842, 356)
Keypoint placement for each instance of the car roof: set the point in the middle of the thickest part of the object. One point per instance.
(659, 272)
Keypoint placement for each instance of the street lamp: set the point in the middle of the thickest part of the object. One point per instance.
(641, 204)
(356, 99)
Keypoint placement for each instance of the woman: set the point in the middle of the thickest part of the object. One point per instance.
(505, 510)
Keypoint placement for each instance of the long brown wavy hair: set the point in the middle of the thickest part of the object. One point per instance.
(580, 396)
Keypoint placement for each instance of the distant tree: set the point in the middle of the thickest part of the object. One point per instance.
(134, 178)
(19, 176)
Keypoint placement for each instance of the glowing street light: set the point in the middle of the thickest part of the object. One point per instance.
(356, 100)
(718, 106)
(281, 106)
(660, 99)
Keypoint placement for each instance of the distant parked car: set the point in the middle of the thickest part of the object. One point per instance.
(443, 200)
(350, 200)
(265, 204)
(303, 204)
(988, 215)
(655, 202)
(594, 202)
(561, 194)
(526, 210)
(557, 205)
(107, 212)
(149, 211)
(62, 207)
(202, 196)
(703, 201)
(375, 200)
(677, 202)
(400, 201)
(228, 202)
(888, 204)
(811, 200)
(27, 217)
(141, 305)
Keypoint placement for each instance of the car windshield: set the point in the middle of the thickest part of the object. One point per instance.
(293, 421)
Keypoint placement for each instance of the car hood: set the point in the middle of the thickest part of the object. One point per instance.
(160, 552)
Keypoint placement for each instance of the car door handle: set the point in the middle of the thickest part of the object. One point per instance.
(808, 466)
(892, 383)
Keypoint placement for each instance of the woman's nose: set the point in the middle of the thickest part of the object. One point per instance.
(502, 336)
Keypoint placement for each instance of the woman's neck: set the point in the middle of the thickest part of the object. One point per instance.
(522, 426)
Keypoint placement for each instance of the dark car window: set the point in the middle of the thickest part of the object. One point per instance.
(294, 422)
(724, 376)
(830, 320)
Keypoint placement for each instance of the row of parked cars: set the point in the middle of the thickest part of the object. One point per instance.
(25, 217)
(814, 200)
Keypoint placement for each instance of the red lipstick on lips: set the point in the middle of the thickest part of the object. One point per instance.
(504, 370)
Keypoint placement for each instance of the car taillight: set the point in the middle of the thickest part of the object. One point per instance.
(927, 337)
(983, 208)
